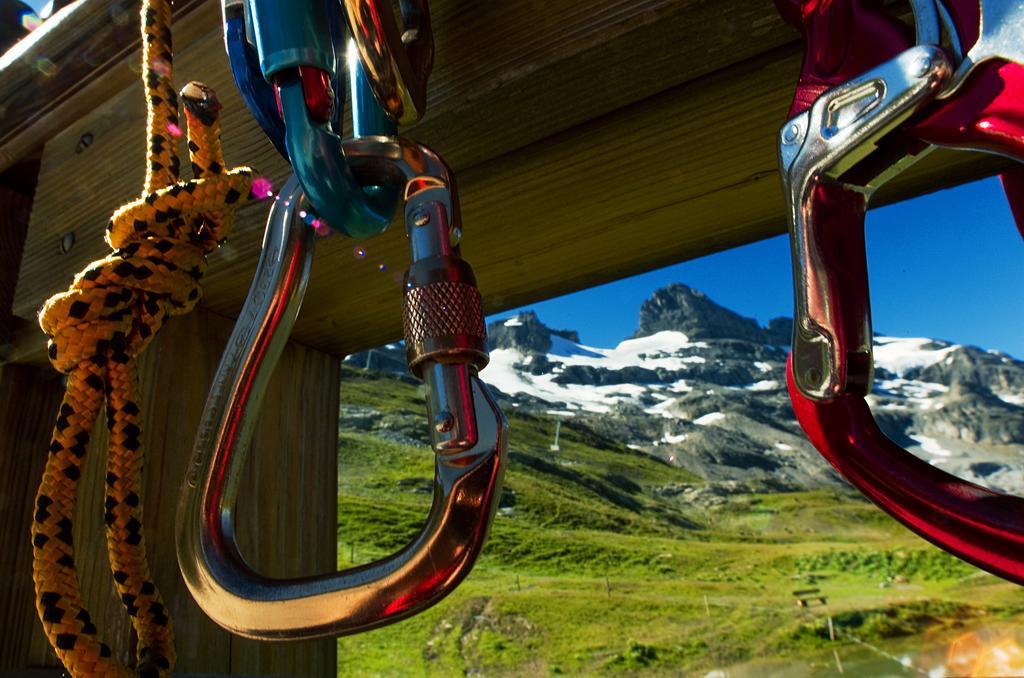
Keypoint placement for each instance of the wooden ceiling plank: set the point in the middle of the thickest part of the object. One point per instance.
(77, 60)
(599, 193)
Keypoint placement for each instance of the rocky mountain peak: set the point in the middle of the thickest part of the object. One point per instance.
(969, 366)
(714, 401)
(779, 331)
(525, 333)
(683, 309)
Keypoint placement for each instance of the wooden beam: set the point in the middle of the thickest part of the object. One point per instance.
(593, 142)
(15, 207)
(568, 63)
(29, 398)
(79, 56)
(278, 531)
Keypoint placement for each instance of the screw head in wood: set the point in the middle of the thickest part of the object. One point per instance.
(84, 142)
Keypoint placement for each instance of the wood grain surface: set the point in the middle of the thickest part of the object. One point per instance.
(29, 397)
(608, 192)
(15, 207)
(60, 71)
(286, 516)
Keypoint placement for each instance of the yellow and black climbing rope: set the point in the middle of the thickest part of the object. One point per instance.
(97, 328)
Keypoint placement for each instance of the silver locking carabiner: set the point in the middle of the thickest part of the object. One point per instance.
(444, 325)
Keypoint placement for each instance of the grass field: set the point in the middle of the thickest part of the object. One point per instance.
(592, 567)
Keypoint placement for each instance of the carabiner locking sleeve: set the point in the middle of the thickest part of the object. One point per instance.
(444, 325)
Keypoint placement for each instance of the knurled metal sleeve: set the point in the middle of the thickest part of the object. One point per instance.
(444, 322)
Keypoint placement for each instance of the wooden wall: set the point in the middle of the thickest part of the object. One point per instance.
(286, 516)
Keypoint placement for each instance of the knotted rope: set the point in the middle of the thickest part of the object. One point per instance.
(97, 328)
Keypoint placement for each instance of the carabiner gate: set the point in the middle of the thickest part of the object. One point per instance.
(444, 326)
(817, 148)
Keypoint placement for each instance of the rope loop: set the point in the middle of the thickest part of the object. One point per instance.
(97, 328)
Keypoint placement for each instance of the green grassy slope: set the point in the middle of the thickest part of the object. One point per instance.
(592, 567)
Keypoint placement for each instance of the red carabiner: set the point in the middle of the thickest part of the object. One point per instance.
(845, 38)
(842, 39)
(987, 112)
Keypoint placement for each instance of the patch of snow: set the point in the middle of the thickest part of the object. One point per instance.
(652, 352)
(764, 385)
(695, 359)
(709, 419)
(783, 446)
(514, 321)
(663, 350)
(764, 367)
(634, 447)
(680, 387)
(1012, 398)
(662, 409)
(899, 355)
(931, 446)
(501, 373)
(562, 347)
(918, 391)
(673, 440)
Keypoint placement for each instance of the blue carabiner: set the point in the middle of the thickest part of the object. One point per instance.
(303, 34)
(257, 93)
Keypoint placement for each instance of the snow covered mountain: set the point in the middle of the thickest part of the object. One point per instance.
(705, 388)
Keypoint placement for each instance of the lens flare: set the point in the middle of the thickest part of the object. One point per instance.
(262, 188)
(30, 21)
(160, 66)
(971, 655)
(46, 67)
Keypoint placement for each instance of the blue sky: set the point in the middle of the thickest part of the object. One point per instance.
(949, 265)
